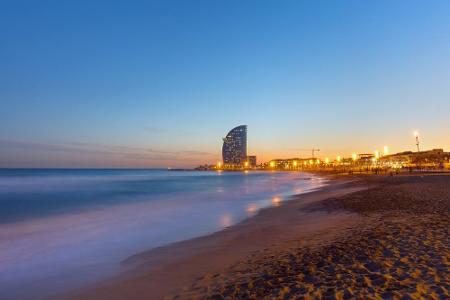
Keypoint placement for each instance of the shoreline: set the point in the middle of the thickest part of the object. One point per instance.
(362, 236)
(158, 272)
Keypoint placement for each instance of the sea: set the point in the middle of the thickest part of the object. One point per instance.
(63, 229)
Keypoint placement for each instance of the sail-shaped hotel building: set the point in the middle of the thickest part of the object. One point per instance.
(234, 149)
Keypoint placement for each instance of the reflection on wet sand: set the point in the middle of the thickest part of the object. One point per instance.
(226, 220)
(251, 209)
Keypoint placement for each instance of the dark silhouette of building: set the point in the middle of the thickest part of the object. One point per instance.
(234, 149)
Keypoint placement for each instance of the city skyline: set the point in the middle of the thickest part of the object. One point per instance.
(90, 84)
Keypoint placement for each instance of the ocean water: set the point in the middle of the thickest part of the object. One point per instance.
(62, 229)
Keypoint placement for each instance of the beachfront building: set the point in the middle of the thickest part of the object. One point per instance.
(435, 158)
(288, 164)
(234, 149)
(365, 158)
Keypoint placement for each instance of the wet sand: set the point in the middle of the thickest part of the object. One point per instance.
(365, 237)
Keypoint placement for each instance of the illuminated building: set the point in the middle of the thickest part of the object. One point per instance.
(234, 149)
(364, 159)
(430, 158)
(283, 164)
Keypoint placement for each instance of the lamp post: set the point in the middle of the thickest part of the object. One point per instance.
(418, 162)
(416, 134)
(377, 157)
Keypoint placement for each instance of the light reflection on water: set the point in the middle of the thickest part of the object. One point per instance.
(251, 209)
(276, 201)
(226, 221)
(298, 190)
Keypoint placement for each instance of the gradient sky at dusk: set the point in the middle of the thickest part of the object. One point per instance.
(159, 83)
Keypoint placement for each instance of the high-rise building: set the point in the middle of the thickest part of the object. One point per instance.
(234, 149)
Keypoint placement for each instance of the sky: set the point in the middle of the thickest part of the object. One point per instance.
(160, 83)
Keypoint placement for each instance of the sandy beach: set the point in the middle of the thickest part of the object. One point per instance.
(362, 236)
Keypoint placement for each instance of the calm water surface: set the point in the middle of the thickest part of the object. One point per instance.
(61, 229)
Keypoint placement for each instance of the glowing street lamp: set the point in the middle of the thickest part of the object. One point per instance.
(386, 150)
(295, 163)
(318, 161)
(327, 160)
(377, 154)
(219, 165)
(246, 164)
(338, 158)
(354, 156)
(272, 164)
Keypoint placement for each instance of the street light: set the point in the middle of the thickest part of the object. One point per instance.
(338, 158)
(354, 156)
(377, 154)
(416, 134)
(386, 150)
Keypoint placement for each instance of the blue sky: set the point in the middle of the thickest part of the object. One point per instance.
(158, 83)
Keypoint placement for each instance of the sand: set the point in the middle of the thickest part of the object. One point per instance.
(369, 237)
